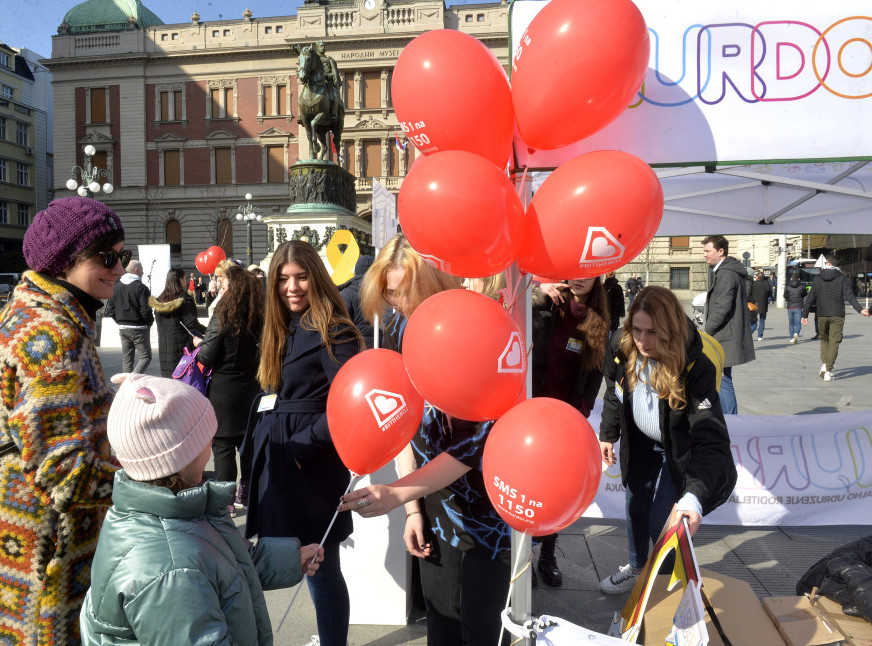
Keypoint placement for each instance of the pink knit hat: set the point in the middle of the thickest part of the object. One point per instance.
(157, 426)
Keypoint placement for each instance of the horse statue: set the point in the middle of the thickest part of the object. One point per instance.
(321, 108)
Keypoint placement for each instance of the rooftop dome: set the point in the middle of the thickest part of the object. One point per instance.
(109, 15)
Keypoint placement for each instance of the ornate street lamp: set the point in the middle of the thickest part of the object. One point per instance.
(247, 213)
(90, 176)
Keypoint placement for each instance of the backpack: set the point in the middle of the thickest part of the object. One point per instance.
(712, 348)
(190, 371)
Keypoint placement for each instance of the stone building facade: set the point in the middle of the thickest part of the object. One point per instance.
(189, 117)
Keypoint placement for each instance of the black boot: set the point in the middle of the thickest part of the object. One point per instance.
(551, 574)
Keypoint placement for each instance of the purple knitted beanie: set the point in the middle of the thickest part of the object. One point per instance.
(65, 228)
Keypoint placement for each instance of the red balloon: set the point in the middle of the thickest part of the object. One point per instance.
(465, 355)
(451, 93)
(462, 212)
(578, 66)
(214, 255)
(541, 466)
(592, 215)
(373, 410)
(202, 263)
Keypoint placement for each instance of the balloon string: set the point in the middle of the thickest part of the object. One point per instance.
(351, 483)
(514, 578)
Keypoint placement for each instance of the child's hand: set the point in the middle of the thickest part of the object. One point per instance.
(310, 558)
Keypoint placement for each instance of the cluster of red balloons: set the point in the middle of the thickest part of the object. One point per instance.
(578, 66)
(207, 261)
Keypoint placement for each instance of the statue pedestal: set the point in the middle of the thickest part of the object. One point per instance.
(322, 200)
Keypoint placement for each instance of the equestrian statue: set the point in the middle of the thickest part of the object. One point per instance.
(321, 107)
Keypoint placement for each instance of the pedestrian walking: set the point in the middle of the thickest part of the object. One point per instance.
(760, 293)
(130, 309)
(615, 297)
(726, 313)
(633, 285)
(794, 295)
(829, 291)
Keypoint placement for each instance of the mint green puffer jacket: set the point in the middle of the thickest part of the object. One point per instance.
(174, 569)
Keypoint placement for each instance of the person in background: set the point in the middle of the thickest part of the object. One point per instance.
(772, 279)
(176, 317)
(211, 292)
(191, 285)
(829, 291)
(570, 333)
(633, 285)
(615, 298)
(726, 313)
(661, 401)
(350, 291)
(463, 545)
(200, 291)
(760, 294)
(171, 567)
(297, 475)
(231, 349)
(794, 295)
(56, 465)
(131, 311)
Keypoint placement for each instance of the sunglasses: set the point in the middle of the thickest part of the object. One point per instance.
(111, 257)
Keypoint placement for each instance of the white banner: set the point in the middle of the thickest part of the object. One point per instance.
(743, 80)
(384, 215)
(793, 470)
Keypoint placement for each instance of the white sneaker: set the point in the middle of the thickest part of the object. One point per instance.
(316, 641)
(828, 376)
(823, 369)
(621, 581)
(795, 338)
(759, 338)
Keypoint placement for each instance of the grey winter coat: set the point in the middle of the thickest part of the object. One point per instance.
(174, 569)
(726, 312)
(829, 290)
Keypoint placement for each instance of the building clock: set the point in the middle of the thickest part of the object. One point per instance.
(369, 5)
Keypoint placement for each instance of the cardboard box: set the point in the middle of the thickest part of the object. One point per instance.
(816, 621)
(740, 617)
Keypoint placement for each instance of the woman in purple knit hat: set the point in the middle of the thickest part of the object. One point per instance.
(56, 468)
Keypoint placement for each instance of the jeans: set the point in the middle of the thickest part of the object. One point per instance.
(831, 336)
(464, 595)
(794, 321)
(727, 393)
(330, 597)
(224, 454)
(647, 508)
(759, 326)
(135, 343)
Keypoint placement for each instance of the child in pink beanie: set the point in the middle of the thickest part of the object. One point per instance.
(171, 567)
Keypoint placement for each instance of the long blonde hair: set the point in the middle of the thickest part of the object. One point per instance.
(326, 314)
(670, 322)
(420, 282)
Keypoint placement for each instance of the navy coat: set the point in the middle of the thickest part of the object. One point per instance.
(297, 476)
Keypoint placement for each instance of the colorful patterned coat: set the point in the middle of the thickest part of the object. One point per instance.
(56, 487)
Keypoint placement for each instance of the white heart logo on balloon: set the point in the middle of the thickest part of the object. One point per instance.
(600, 248)
(386, 407)
(512, 358)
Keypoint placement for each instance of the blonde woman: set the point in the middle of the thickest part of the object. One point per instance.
(296, 475)
(463, 545)
(662, 402)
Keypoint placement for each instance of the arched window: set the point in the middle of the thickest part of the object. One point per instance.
(225, 236)
(173, 235)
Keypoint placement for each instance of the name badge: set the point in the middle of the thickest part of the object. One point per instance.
(573, 345)
(267, 402)
(619, 393)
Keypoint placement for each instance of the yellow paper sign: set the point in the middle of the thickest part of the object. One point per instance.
(342, 263)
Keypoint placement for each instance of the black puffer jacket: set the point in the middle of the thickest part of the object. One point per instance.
(829, 291)
(794, 293)
(695, 437)
(845, 576)
(172, 338)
